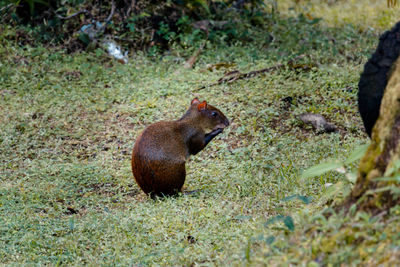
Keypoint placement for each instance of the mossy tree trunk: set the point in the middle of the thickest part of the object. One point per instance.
(382, 156)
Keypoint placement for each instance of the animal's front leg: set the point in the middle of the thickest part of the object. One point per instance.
(208, 137)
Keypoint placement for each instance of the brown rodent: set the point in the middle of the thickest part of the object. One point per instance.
(160, 152)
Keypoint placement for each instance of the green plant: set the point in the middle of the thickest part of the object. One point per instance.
(337, 165)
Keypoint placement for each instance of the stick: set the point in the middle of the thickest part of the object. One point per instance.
(236, 75)
(87, 12)
(6, 7)
(112, 12)
(189, 64)
(74, 15)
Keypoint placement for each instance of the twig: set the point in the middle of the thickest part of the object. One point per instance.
(112, 12)
(236, 75)
(87, 12)
(5, 12)
(124, 40)
(74, 15)
(190, 62)
(103, 27)
(6, 7)
(130, 7)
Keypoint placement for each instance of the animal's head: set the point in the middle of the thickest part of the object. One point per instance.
(211, 117)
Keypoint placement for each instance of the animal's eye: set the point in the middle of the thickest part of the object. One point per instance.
(214, 114)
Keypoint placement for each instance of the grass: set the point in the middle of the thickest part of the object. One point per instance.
(69, 122)
(366, 14)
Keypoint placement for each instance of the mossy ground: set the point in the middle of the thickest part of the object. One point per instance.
(68, 124)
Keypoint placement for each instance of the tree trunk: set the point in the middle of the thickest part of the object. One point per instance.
(382, 156)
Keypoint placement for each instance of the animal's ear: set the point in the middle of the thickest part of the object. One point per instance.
(195, 101)
(202, 106)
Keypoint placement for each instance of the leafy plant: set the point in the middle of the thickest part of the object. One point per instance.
(337, 165)
(287, 221)
(304, 199)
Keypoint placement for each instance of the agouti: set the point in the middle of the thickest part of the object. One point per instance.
(160, 152)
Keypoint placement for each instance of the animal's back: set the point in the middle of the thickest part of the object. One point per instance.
(158, 159)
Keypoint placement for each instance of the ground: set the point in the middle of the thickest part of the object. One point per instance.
(69, 122)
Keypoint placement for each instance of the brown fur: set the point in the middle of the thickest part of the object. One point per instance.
(160, 152)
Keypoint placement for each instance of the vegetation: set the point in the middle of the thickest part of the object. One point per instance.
(143, 24)
(69, 121)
